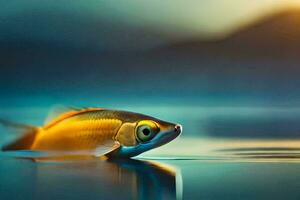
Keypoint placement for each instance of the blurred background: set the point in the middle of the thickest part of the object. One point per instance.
(222, 68)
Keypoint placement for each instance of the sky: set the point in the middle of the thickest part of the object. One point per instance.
(192, 18)
(151, 22)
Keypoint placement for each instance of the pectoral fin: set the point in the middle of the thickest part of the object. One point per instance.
(107, 148)
(61, 156)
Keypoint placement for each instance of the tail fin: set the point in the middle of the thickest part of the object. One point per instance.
(28, 134)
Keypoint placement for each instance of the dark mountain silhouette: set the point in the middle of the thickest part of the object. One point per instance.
(274, 35)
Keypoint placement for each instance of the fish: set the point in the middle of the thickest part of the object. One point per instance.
(96, 132)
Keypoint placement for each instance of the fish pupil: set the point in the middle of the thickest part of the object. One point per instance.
(146, 131)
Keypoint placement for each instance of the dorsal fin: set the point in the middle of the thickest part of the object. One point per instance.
(56, 115)
(58, 110)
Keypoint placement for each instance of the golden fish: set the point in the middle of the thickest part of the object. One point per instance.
(97, 132)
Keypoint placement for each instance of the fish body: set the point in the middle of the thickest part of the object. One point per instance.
(97, 131)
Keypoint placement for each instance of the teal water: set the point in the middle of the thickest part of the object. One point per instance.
(220, 155)
(133, 179)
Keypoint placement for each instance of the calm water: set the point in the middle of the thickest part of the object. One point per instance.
(231, 173)
(194, 166)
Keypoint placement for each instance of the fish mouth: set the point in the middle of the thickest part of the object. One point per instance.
(167, 136)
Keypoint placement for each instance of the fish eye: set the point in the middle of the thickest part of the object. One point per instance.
(145, 132)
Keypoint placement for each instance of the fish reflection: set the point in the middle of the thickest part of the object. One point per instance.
(126, 179)
(154, 180)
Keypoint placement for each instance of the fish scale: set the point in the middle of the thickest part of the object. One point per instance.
(77, 135)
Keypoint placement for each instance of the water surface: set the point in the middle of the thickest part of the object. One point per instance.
(229, 170)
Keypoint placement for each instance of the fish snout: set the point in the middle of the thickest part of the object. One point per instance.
(178, 129)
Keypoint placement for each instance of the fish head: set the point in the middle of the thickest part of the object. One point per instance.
(145, 133)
